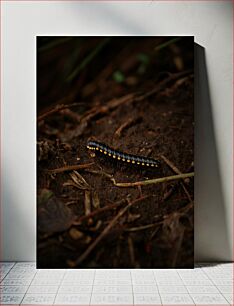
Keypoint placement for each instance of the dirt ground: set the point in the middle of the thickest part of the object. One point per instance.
(135, 95)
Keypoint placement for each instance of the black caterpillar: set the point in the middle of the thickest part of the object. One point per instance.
(124, 157)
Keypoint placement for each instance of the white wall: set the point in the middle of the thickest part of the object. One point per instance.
(211, 24)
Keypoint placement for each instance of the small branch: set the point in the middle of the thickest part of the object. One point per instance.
(131, 251)
(176, 170)
(96, 200)
(162, 85)
(98, 211)
(111, 105)
(58, 108)
(69, 113)
(143, 227)
(79, 260)
(154, 181)
(103, 174)
(87, 202)
(79, 180)
(134, 97)
(125, 125)
(129, 98)
(169, 193)
(180, 211)
(97, 111)
(170, 164)
(70, 168)
(152, 225)
(186, 192)
(178, 247)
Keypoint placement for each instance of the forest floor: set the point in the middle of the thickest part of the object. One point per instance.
(85, 217)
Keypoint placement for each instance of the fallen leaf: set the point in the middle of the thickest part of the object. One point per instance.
(54, 216)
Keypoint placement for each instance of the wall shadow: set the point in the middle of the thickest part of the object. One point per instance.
(211, 232)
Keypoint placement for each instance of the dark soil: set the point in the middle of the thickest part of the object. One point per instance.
(135, 95)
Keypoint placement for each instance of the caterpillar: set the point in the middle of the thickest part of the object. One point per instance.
(121, 156)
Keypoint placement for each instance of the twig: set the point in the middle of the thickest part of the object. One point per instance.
(118, 255)
(79, 260)
(102, 173)
(96, 200)
(69, 168)
(97, 111)
(132, 97)
(180, 211)
(169, 193)
(79, 181)
(154, 181)
(73, 115)
(178, 246)
(112, 104)
(162, 84)
(71, 202)
(176, 170)
(178, 83)
(142, 183)
(131, 251)
(87, 202)
(170, 164)
(140, 191)
(100, 210)
(70, 183)
(58, 108)
(186, 192)
(123, 126)
(143, 227)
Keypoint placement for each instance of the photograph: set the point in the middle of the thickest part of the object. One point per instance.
(115, 152)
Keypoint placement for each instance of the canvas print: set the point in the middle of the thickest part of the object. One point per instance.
(115, 152)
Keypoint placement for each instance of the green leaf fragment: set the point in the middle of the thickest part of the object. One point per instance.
(118, 76)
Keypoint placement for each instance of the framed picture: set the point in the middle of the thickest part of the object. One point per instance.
(115, 152)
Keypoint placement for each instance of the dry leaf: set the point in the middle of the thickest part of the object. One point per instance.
(54, 216)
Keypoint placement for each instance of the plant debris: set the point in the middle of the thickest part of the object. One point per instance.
(134, 94)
